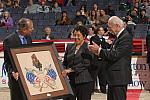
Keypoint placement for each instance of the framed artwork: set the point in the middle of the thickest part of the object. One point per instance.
(40, 71)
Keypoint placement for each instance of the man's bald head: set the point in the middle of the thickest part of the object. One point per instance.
(115, 24)
(116, 20)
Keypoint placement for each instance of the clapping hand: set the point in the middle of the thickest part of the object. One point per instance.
(94, 48)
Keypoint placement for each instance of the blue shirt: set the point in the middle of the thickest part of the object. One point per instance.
(22, 38)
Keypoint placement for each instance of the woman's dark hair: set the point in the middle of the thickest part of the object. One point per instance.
(97, 29)
(84, 6)
(82, 29)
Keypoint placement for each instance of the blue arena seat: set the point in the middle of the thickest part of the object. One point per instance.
(56, 35)
(141, 30)
(3, 33)
(121, 13)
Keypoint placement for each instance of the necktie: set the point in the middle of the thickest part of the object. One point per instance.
(24, 41)
(113, 43)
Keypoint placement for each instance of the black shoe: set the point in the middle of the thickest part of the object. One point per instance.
(92, 93)
(103, 91)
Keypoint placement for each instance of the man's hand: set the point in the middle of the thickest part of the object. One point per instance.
(94, 48)
(15, 75)
(109, 41)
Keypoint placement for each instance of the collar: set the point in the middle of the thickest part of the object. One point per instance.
(120, 32)
(100, 36)
(20, 36)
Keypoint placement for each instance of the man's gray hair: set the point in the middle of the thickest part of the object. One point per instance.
(116, 20)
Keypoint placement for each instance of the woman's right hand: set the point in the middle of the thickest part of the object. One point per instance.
(66, 71)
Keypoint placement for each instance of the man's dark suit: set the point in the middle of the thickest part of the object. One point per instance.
(80, 79)
(118, 70)
(148, 48)
(12, 41)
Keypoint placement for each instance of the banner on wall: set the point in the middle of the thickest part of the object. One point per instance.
(140, 73)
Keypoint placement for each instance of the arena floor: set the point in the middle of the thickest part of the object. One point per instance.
(144, 95)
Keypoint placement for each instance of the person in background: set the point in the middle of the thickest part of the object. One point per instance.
(83, 10)
(99, 63)
(95, 7)
(13, 3)
(1, 9)
(16, 4)
(64, 19)
(146, 6)
(16, 39)
(77, 62)
(56, 8)
(31, 8)
(70, 2)
(109, 10)
(103, 19)
(134, 16)
(1, 13)
(60, 2)
(47, 33)
(118, 57)
(143, 19)
(92, 18)
(42, 7)
(79, 18)
(91, 31)
(7, 19)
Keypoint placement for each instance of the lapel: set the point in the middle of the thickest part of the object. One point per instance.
(113, 44)
(28, 39)
(83, 46)
(72, 48)
(17, 39)
(116, 39)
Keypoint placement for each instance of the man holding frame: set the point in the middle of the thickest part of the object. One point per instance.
(16, 39)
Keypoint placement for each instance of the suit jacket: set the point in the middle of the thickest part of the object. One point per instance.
(148, 48)
(13, 41)
(118, 70)
(79, 62)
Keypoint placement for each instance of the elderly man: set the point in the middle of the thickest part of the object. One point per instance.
(16, 39)
(118, 70)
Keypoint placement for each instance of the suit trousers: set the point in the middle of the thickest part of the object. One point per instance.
(16, 93)
(81, 92)
(116, 92)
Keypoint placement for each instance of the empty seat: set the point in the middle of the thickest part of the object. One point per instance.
(141, 30)
(121, 13)
(3, 33)
(56, 35)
